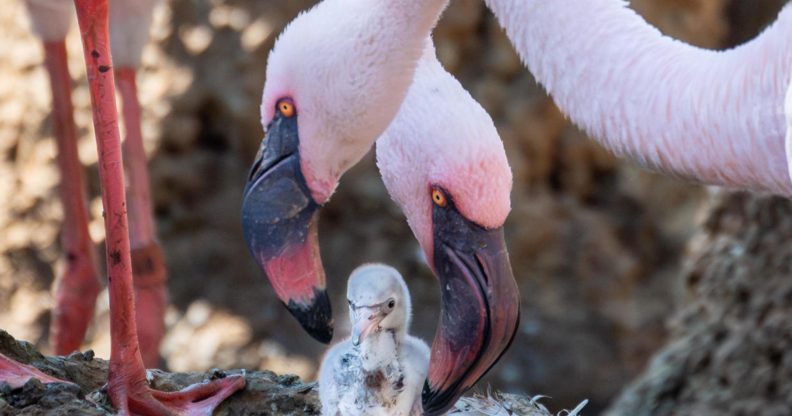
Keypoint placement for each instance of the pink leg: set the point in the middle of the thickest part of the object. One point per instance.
(17, 374)
(78, 286)
(148, 265)
(126, 378)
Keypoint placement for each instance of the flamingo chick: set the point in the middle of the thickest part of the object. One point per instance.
(444, 164)
(380, 370)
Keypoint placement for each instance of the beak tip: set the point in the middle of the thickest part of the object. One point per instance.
(323, 335)
(436, 403)
(315, 317)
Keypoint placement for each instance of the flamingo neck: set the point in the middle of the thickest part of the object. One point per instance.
(713, 117)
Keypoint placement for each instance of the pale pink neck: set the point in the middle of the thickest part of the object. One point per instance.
(713, 117)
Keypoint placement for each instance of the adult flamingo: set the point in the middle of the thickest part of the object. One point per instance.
(78, 285)
(443, 162)
(126, 379)
(713, 117)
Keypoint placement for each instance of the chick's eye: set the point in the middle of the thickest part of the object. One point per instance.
(439, 198)
(286, 107)
(391, 303)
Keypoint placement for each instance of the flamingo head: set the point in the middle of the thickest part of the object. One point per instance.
(335, 80)
(444, 163)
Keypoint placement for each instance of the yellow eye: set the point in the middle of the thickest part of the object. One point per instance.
(286, 107)
(439, 198)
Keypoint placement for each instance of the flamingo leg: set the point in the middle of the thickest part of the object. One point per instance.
(17, 374)
(148, 264)
(126, 379)
(78, 286)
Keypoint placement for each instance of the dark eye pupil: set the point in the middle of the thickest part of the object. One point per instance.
(391, 304)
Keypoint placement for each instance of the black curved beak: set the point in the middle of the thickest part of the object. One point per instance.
(279, 220)
(481, 307)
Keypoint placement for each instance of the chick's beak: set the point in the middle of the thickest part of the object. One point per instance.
(367, 320)
(480, 308)
(280, 224)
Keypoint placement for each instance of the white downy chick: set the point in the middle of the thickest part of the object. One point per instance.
(379, 371)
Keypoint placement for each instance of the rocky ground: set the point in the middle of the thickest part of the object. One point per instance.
(265, 393)
(596, 244)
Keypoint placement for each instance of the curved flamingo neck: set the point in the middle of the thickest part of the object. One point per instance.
(713, 117)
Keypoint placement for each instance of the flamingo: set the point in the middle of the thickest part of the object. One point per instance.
(78, 286)
(719, 118)
(335, 79)
(381, 369)
(126, 379)
(126, 382)
(444, 164)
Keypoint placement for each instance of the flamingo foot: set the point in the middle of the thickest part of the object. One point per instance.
(150, 274)
(75, 298)
(17, 374)
(135, 398)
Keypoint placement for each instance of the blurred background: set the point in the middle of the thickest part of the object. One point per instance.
(595, 242)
